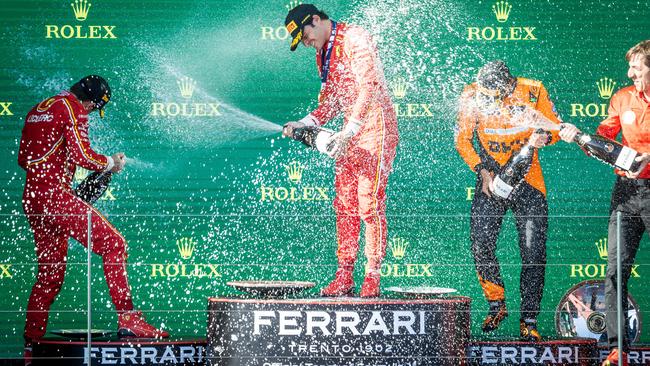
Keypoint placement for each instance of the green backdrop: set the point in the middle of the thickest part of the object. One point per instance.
(195, 84)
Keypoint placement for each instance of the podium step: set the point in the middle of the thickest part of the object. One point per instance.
(570, 351)
(339, 331)
(59, 351)
(639, 354)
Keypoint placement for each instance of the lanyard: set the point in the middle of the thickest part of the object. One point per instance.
(326, 56)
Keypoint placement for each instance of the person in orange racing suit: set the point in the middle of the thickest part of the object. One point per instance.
(54, 142)
(352, 84)
(486, 113)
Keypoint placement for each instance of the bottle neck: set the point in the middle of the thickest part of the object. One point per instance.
(527, 148)
(577, 137)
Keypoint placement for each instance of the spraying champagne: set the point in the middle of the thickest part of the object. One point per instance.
(608, 151)
(315, 137)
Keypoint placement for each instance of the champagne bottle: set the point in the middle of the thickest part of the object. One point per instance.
(93, 186)
(314, 137)
(608, 151)
(513, 172)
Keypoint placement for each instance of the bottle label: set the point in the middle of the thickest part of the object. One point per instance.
(626, 158)
(321, 140)
(501, 188)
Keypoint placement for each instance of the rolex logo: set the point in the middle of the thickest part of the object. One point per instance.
(81, 9)
(186, 108)
(602, 248)
(598, 270)
(5, 271)
(405, 269)
(502, 10)
(605, 87)
(302, 192)
(292, 4)
(399, 88)
(598, 109)
(281, 33)
(80, 174)
(398, 247)
(294, 170)
(4, 109)
(186, 247)
(186, 86)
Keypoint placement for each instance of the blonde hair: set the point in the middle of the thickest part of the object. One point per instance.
(642, 48)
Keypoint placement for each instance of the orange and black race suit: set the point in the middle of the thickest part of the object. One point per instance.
(486, 138)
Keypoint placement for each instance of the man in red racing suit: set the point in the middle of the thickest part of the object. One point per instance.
(54, 141)
(353, 83)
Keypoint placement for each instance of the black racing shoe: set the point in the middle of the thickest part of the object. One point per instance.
(27, 353)
(497, 314)
(528, 331)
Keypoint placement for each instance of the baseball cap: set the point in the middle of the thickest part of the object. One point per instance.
(296, 20)
(93, 88)
(495, 80)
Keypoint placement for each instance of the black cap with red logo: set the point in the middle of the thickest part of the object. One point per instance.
(93, 88)
(297, 19)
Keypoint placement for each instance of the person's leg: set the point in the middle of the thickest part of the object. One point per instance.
(348, 227)
(485, 224)
(107, 242)
(643, 202)
(531, 214)
(51, 251)
(624, 197)
(372, 207)
(346, 206)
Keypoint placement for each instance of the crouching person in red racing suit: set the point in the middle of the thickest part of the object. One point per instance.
(54, 142)
(353, 84)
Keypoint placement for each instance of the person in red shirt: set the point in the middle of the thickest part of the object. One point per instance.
(353, 84)
(629, 115)
(54, 142)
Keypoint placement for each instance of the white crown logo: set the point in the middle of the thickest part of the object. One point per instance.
(186, 247)
(602, 248)
(80, 174)
(186, 86)
(81, 9)
(294, 169)
(398, 247)
(399, 88)
(292, 4)
(502, 10)
(605, 87)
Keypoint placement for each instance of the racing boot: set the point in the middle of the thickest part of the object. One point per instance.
(370, 286)
(495, 316)
(27, 353)
(528, 330)
(342, 285)
(132, 324)
(612, 358)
